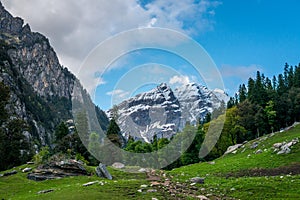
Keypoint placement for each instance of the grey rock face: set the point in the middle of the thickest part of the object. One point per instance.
(40, 88)
(102, 171)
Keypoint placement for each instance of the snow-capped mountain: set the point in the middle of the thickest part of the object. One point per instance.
(163, 112)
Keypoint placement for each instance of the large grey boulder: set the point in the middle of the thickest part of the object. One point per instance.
(54, 170)
(102, 171)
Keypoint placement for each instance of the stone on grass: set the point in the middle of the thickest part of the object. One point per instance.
(10, 173)
(201, 197)
(118, 165)
(151, 190)
(254, 145)
(90, 183)
(144, 186)
(27, 169)
(259, 151)
(232, 148)
(30, 163)
(197, 180)
(142, 170)
(45, 191)
(102, 171)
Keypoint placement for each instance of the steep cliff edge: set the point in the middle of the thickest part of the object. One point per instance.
(40, 88)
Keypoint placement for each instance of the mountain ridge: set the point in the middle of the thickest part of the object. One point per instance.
(163, 112)
(40, 87)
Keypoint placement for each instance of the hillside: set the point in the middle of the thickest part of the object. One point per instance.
(245, 174)
(251, 173)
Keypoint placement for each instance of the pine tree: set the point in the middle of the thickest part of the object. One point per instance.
(242, 93)
(114, 133)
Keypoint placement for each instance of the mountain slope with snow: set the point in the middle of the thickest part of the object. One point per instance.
(163, 112)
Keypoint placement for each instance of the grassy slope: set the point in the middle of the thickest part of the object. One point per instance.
(266, 187)
(125, 185)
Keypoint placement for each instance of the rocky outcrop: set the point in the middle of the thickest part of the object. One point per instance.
(54, 170)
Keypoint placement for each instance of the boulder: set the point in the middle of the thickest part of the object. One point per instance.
(197, 180)
(118, 165)
(258, 151)
(284, 150)
(232, 148)
(101, 171)
(254, 145)
(27, 169)
(54, 170)
(277, 145)
(10, 173)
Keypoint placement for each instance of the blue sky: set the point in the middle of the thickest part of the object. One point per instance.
(247, 36)
(241, 37)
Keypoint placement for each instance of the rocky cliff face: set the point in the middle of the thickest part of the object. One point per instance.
(41, 89)
(163, 112)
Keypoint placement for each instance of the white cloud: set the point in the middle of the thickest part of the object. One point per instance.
(241, 72)
(118, 93)
(75, 28)
(183, 80)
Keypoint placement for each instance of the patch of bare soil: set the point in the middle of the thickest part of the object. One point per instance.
(292, 169)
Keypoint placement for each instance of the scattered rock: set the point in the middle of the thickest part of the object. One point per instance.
(197, 180)
(142, 170)
(202, 197)
(151, 190)
(254, 145)
(155, 183)
(140, 190)
(212, 162)
(285, 148)
(259, 151)
(232, 148)
(90, 183)
(154, 198)
(144, 186)
(27, 169)
(118, 165)
(232, 189)
(245, 142)
(10, 173)
(101, 171)
(277, 145)
(30, 163)
(192, 184)
(55, 170)
(45, 191)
